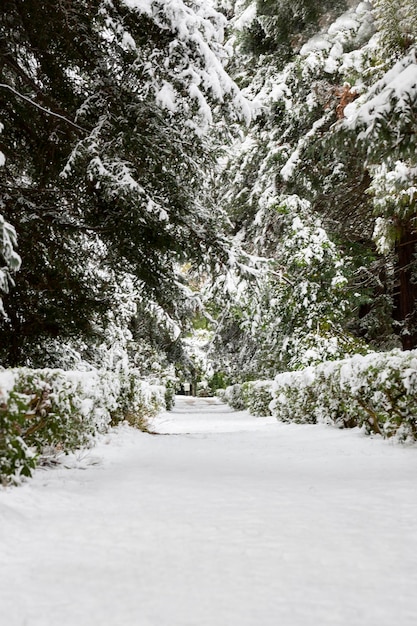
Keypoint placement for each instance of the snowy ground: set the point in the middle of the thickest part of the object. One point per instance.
(228, 520)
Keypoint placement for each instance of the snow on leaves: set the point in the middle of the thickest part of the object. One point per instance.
(195, 57)
(383, 120)
(151, 104)
(395, 93)
(9, 259)
(8, 256)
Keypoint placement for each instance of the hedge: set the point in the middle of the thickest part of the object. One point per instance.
(376, 392)
(45, 412)
(255, 396)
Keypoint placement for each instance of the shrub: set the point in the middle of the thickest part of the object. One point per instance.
(170, 386)
(43, 412)
(145, 403)
(254, 395)
(257, 397)
(377, 392)
(233, 395)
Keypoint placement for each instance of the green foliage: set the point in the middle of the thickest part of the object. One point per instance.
(294, 312)
(9, 259)
(257, 397)
(16, 457)
(219, 380)
(233, 395)
(107, 159)
(282, 26)
(382, 123)
(145, 403)
(44, 413)
(54, 417)
(169, 394)
(377, 392)
(334, 128)
(41, 412)
(397, 23)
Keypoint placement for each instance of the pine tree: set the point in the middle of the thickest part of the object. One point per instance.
(397, 24)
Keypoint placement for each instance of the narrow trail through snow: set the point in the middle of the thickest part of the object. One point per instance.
(229, 521)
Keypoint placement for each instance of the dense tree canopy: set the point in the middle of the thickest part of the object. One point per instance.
(105, 107)
(331, 150)
(132, 177)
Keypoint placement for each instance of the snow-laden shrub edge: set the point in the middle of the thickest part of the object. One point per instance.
(376, 392)
(255, 396)
(46, 411)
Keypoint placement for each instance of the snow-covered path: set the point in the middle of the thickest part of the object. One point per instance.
(231, 521)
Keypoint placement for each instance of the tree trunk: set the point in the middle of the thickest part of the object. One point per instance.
(406, 299)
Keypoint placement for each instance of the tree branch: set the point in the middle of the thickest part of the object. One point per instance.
(41, 108)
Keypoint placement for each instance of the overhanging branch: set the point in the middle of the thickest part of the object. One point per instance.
(41, 108)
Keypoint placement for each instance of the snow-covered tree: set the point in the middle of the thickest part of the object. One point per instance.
(283, 172)
(397, 23)
(293, 313)
(9, 259)
(382, 125)
(107, 105)
(280, 27)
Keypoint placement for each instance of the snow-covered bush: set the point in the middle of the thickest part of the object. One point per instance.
(140, 401)
(254, 395)
(257, 396)
(169, 394)
(45, 412)
(377, 392)
(233, 395)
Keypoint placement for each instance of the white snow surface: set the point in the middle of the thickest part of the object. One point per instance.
(222, 520)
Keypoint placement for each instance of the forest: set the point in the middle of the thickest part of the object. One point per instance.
(215, 191)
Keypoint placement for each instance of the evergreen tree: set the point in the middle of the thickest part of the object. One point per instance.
(382, 125)
(280, 27)
(9, 259)
(397, 25)
(106, 107)
(336, 128)
(287, 171)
